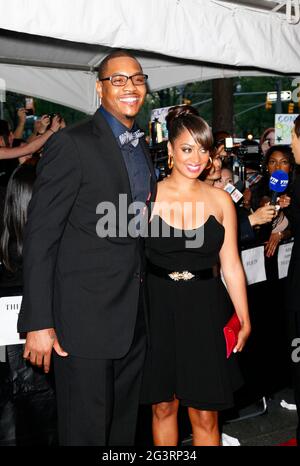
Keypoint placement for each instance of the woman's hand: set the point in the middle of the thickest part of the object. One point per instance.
(284, 201)
(21, 116)
(272, 244)
(55, 125)
(44, 123)
(62, 124)
(242, 337)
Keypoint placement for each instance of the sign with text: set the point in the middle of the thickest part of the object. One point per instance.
(284, 123)
(284, 256)
(254, 265)
(9, 312)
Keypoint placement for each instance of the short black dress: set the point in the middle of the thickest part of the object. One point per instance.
(187, 351)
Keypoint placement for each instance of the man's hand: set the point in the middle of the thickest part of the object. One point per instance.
(262, 215)
(272, 243)
(38, 347)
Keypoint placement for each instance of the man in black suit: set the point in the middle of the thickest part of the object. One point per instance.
(83, 271)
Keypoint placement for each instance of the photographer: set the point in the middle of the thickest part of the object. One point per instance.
(41, 125)
(33, 146)
(267, 140)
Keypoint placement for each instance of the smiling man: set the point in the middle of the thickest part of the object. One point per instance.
(83, 300)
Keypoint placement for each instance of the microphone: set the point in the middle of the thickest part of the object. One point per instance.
(277, 184)
(234, 191)
(239, 185)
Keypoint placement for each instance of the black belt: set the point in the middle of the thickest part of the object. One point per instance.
(184, 275)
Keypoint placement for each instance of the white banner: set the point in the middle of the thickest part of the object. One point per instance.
(284, 256)
(9, 311)
(283, 126)
(254, 265)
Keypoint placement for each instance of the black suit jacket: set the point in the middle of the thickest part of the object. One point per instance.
(84, 286)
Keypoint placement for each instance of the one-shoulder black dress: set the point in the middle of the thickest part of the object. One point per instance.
(187, 351)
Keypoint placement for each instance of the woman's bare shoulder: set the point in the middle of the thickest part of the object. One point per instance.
(219, 195)
(217, 201)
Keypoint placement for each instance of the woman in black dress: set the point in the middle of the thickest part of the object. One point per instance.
(293, 279)
(193, 225)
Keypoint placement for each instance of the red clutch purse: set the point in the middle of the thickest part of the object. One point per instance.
(231, 331)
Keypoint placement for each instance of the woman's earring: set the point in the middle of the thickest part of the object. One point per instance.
(170, 161)
(208, 166)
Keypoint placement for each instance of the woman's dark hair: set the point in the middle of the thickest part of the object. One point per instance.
(219, 138)
(297, 126)
(184, 117)
(18, 195)
(285, 150)
(5, 131)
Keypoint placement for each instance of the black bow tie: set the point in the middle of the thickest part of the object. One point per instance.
(132, 138)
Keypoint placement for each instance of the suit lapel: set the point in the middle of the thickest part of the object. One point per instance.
(112, 154)
(151, 169)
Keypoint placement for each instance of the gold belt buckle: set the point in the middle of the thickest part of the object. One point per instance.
(185, 275)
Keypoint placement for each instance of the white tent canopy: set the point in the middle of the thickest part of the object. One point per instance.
(52, 49)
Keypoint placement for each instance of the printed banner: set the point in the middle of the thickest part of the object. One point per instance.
(9, 311)
(283, 126)
(284, 256)
(254, 265)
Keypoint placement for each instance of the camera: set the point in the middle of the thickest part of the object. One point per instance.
(51, 116)
(247, 151)
(29, 106)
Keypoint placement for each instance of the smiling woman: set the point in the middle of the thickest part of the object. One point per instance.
(194, 232)
(188, 149)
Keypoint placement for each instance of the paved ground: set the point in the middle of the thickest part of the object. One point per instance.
(275, 426)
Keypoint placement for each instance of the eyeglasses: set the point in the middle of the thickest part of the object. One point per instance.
(121, 79)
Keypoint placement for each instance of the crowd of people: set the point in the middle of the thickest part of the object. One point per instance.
(122, 319)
